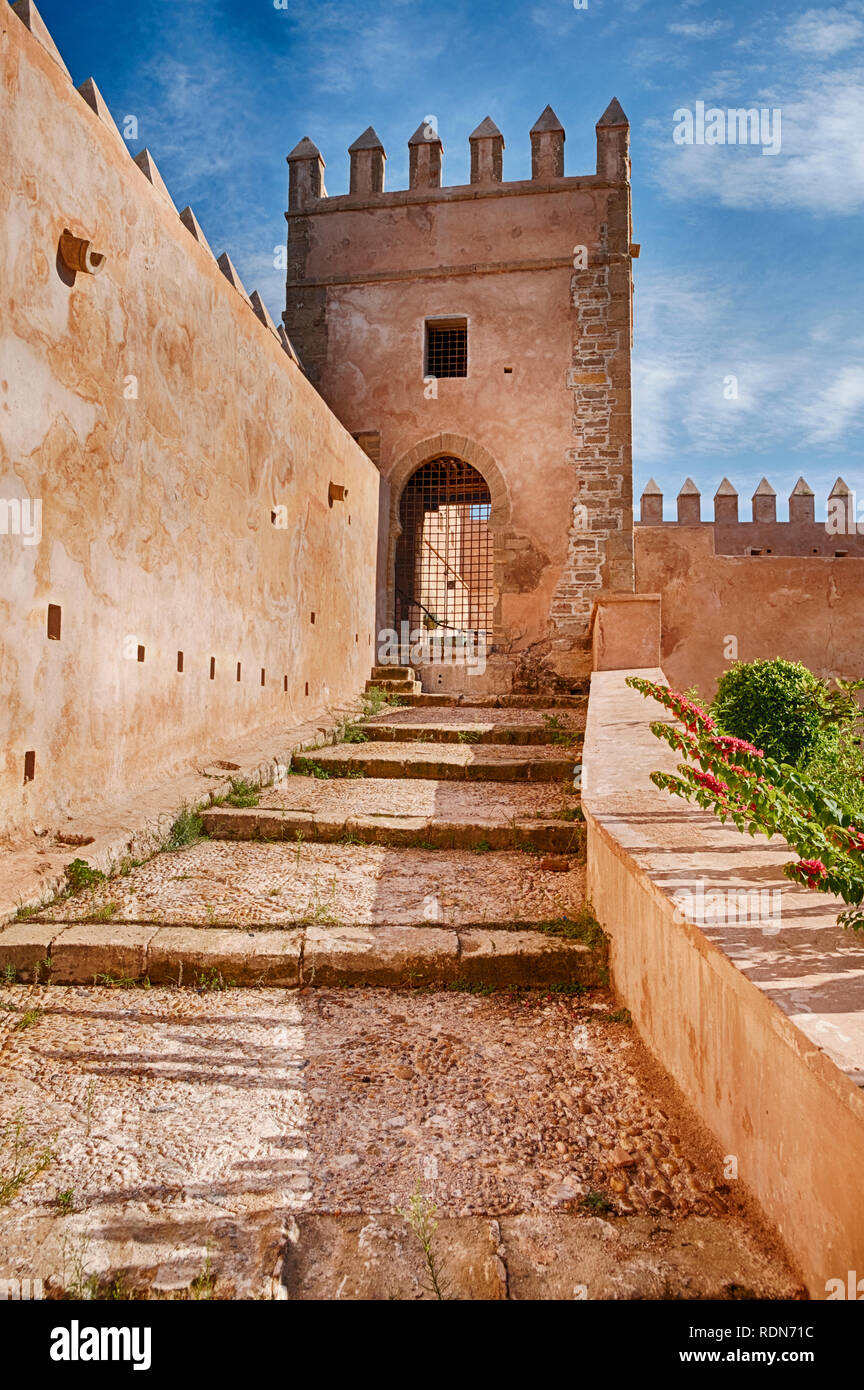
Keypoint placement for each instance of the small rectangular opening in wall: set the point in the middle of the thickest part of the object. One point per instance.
(285, 684)
(446, 347)
(356, 636)
(312, 617)
(141, 653)
(179, 661)
(508, 371)
(54, 619)
(30, 765)
(307, 687)
(840, 554)
(263, 676)
(212, 668)
(239, 670)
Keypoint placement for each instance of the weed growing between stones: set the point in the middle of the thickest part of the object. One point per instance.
(66, 1201)
(20, 1159)
(560, 734)
(620, 1016)
(187, 828)
(597, 1203)
(121, 982)
(243, 795)
(211, 980)
(375, 699)
(420, 1216)
(79, 875)
(29, 1018)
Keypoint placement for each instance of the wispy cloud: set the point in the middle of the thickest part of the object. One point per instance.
(824, 33)
(820, 167)
(700, 29)
(792, 389)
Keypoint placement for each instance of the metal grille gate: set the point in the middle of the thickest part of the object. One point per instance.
(444, 556)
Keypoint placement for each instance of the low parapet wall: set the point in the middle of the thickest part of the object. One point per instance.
(760, 1021)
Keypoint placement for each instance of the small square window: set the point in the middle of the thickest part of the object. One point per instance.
(446, 347)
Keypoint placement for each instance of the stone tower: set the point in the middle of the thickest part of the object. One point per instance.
(482, 329)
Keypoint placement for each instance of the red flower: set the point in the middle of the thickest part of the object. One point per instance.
(710, 782)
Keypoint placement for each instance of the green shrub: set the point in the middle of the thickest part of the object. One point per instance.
(778, 706)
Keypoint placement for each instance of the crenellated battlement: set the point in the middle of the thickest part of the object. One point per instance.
(426, 162)
(144, 161)
(837, 536)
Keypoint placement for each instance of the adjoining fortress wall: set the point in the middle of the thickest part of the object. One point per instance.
(752, 590)
(177, 461)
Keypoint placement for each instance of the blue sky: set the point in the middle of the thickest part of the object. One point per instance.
(751, 264)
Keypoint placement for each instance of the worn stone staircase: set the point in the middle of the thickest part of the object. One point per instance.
(453, 1047)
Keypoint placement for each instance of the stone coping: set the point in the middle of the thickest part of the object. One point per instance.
(810, 968)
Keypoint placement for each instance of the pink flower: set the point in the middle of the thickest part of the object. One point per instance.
(725, 743)
(810, 871)
(710, 783)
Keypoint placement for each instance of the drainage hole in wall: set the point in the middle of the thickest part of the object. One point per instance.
(54, 617)
(29, 766)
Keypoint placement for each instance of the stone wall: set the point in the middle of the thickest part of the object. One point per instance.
(719, 608)
(180, 461)
(739, 981)
(544, 412)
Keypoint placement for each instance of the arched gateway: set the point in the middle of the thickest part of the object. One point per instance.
(444, 563)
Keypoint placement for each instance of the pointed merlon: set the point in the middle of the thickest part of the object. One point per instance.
(802, 502)
(262, 312)
(765, 502)
(226, 265)
(613, 115)
(650, 489)
(486, 130)
(547, 120)
(840, 489)
(689, 504)
(147, 165)
(191, 223)
(764, 489)
(425, 134)
(95, 100)
(30, 16)
(367, 141)
(305, 149)
(288, 345)
(726, 489)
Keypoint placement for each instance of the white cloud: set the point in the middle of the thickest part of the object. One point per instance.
(692, 334)
(700, 29)
(824, 33)
(820, 167)
(837, 409)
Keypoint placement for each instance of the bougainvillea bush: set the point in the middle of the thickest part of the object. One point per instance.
(734, 779)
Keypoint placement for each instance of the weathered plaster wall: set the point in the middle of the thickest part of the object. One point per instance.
(365, 272)
(803, 608)
(156, 511)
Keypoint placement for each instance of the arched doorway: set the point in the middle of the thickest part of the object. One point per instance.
(444, 567)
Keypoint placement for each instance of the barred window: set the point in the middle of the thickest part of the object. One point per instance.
(446, 347)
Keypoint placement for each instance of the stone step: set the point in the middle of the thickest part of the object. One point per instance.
(441, 762)
(84, 953)
(395, 686)
(393, 673)
(531, 1255)
(286, 886)
(552, 836)
(521, 735)
(466, 700)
